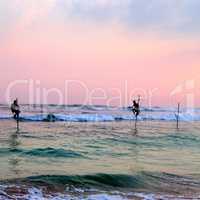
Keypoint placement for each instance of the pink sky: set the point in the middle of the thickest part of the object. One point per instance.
(100, 55)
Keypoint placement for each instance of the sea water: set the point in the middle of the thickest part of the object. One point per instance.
(97, 152)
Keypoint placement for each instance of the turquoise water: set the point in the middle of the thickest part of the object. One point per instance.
(101, 157)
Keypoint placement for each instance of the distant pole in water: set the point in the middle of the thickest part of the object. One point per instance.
(17, 120)
(135, 121)
(177, 116)
(41, 107)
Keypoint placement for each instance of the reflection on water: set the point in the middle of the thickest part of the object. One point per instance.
(14, 161)
(14, 141)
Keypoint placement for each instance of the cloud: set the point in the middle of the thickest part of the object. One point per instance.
(145, 15)
(174, 15)
(7, 17)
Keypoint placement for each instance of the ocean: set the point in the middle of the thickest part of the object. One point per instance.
(97, 153)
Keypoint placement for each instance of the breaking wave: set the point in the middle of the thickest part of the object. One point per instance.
(142, 185)
(104, 117)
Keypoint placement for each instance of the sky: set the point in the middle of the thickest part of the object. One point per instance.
(100, 51)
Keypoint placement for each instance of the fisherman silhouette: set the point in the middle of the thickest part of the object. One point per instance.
(15, 109)
(136, 107)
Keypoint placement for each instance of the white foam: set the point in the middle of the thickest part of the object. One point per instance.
(37, 194)
(34, 118)
(188, 115)
(2, 116)
(104, 197)
(85, 117)
(145, 196)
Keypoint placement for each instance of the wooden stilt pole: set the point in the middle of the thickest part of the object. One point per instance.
(17, 120)
(41, 107)
(135, 122)
(177, 116)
